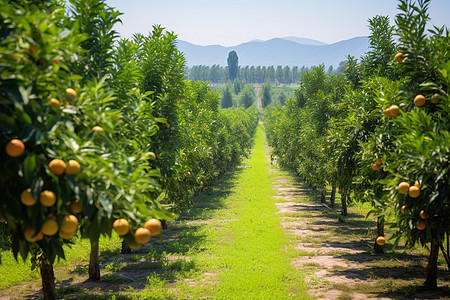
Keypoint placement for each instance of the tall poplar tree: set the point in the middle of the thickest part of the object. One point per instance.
(232, 65)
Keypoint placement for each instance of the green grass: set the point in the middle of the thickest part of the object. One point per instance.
(240, 251)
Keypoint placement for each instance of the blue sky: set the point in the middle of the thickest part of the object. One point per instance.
(231, 22)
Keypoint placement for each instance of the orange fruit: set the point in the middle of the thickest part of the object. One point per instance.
(399, 57)
(53, 102)
(50, 227)
(340, 191)
(378, 161)
(69, 224)
(417, 184)
(47, 198)
(201, 183)
(15, 148)
(387, 113)
(75, 206)
(188, 174)
(67, 235)
(404, 210)
(71, 93)
(27, 198)
(381, 240)
(423, 215)
(73, 168)
(394, 110)
(375, 167)
(421, 225)
(158, 156)
(167, 125)
(403, 187)
(419, 100)
(337, 170)
(31, 236)
(314, 166)
(154, 226)
(414, 191)
(435, 99)
(57, 166)
(98, 129)
(142, 235)
(121, 226)
(323, 149)
(2, 220)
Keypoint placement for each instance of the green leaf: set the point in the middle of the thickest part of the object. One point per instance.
(106, 203)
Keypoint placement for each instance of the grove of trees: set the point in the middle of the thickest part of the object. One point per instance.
(253, 74)
(380, 132)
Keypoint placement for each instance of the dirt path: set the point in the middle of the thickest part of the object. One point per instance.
(258, 98)
(337, 258)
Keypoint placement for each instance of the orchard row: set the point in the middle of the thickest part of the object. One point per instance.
(99, 133)
(380, 133)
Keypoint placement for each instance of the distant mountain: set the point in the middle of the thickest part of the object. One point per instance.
(304, 41)
(276, 52)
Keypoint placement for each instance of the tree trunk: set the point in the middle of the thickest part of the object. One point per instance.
(431, 281)
(94, 263)
(445, 253)
(48, 280)
(125, 248)
(322, 196)
(380, 232)
(333, 194)
(344, 202)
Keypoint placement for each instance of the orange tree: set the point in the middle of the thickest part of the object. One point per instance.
(419, 165)
(61, 164)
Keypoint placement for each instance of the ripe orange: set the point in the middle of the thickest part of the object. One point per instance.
(394, 110)
(188, 174)
(323, 149)
(53, 102)
(378, 161)
(75, 206)
(387, 112)
(69, 224)
(57, 166)
(158, 156)
(423, 215)
(375, 167)
(419, 100)
(71, 93)
(399, 57)
(50, 227)
(31, 236)
(121, 226)
(154, 226)
(73, 168)
(421, 225)
(381, 240)
(142, 235)
(417, 184)
(2, 220)
(403, 187)
(337, 170)
(15, 148)
(27, 198)
(98, 129)
(340, 191)
(414, 191)
(404, 210)
(435, 99)
(67, 235)
(167, 125)
(47, 198)
(314, 166)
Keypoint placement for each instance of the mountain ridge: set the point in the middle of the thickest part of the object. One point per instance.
(287, 51)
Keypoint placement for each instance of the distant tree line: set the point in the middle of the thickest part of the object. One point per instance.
(216, 74)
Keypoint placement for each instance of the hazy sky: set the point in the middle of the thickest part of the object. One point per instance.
(231, 22)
